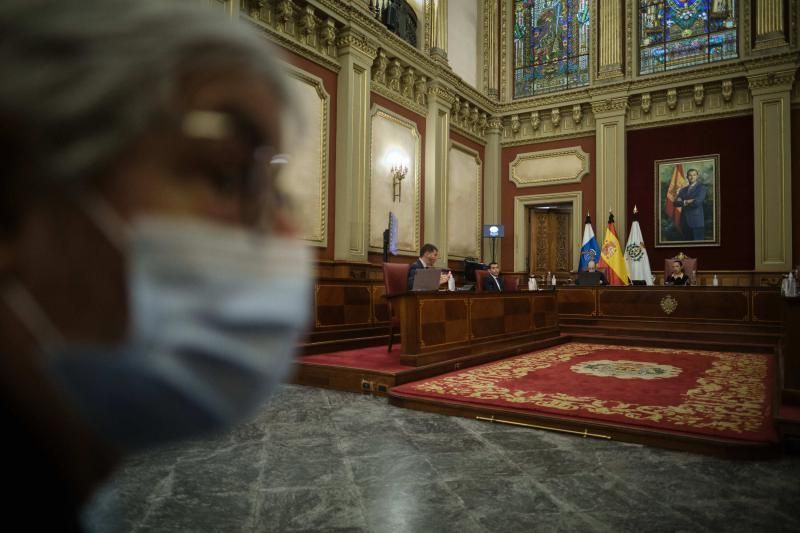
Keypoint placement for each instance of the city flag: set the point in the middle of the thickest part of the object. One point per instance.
(635, 253)
(677, 183)
(612, 256)
(590, 250)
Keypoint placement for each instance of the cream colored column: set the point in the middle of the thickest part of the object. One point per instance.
(609, 118)
(769, 24)
(352, 147)
(491, 184)
(773, 168)
(611, 39)
(437, 149)
(438, 27)
(491, 47)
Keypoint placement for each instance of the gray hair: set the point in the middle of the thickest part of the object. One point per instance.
(82, 80)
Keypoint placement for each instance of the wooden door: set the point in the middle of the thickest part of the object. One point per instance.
(550, 249)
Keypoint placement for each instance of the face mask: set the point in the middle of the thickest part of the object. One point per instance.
(215, 315)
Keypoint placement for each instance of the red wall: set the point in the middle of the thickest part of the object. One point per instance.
(329, 81)
(732, 139)
(509, 190)
(419, 120)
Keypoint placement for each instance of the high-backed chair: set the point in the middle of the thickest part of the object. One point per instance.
(510, 282)
(689, 266)
(395, 278)
(480, 275)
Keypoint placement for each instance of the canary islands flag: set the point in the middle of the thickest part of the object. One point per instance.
(590, 250)
(612, 256)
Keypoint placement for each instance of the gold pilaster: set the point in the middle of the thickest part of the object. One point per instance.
(491, 181)
(773, 168)
(490, 46)
(609, 114)
(438, 28)
(611, 41)
(356, 54)
(769, 24)
(437, 148)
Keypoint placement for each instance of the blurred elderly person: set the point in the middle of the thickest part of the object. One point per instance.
(148, 289)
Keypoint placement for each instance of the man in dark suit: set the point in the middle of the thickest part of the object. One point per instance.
(598, 277)
(691, 199)
(427, 258)
(493, 282)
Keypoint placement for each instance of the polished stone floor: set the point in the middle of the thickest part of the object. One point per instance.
(319, 460)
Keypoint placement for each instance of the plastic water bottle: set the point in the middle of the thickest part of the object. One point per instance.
(547, 279)
(531, 283)
(715, 281)
(451, 282)
(792, 285)
(553, 281)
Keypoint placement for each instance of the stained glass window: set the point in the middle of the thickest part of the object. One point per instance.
(681, 33)
(551, 45)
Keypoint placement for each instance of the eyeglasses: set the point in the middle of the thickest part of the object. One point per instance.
(244, 165)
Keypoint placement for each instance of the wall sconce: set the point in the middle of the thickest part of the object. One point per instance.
(399, 172)
(397, 162)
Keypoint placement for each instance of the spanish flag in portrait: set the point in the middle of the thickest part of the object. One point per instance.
(612, 256)
(677, 183)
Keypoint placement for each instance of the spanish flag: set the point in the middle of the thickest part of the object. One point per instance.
(677, 183)
(612, 256)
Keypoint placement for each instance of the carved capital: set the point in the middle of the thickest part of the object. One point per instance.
(442, 94)
(494, 125)
(515, 124)
(353, 40)
(771, 81)
(610, 105)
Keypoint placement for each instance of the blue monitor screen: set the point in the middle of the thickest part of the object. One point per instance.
(494, 230)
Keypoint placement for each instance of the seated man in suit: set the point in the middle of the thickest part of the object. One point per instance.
(427, 258)
(594, 277)
(493, 282)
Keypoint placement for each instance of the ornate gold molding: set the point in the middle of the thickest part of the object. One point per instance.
(290, 43)
(320, 237)
(476, 251)
(668, 304)
(610, 60)
(506, 90)
(382, 113)
(564, 165)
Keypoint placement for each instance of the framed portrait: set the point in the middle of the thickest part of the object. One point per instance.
(687, 202)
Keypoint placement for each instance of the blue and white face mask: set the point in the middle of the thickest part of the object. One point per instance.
(215, 315)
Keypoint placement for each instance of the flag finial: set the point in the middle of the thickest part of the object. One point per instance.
(635, 209)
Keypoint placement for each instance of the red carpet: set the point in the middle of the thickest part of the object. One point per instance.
(372, 358)
(717, 394)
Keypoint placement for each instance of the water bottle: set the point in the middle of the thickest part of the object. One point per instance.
(547, 279)
(531, 283)
(451, 282)
(553, 281)
(792, 285)
(785, 285)
(715, 281)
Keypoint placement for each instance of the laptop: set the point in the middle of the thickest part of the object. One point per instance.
(588, 278)
(426, 279)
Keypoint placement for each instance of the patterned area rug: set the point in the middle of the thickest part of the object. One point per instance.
(718, 394)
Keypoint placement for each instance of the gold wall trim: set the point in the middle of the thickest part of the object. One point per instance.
(385, 114)
(476, 247)
(549, 167)
(320, 236)
(521, 237)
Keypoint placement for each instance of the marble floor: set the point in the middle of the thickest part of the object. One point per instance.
(319, 460)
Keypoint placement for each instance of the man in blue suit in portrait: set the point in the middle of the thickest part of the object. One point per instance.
(691, 199)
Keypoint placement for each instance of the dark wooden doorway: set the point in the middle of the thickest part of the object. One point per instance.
(550, 247)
